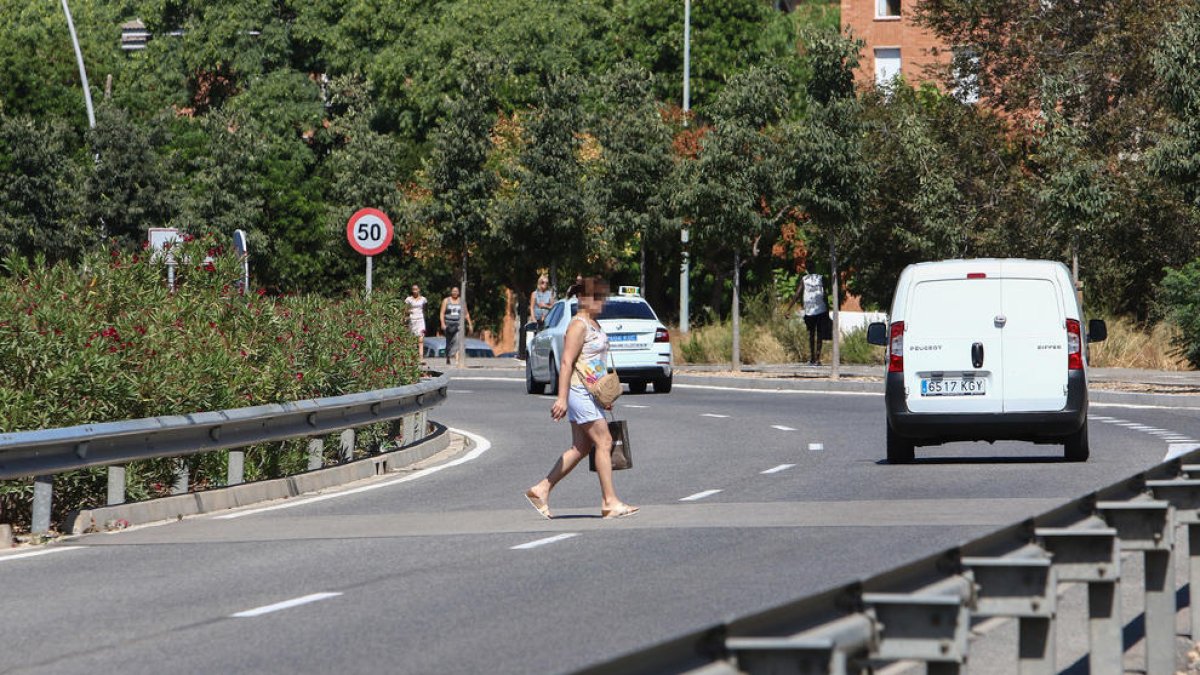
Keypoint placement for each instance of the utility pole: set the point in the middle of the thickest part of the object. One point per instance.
(685, 266)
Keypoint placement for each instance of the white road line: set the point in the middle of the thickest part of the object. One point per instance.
(286, 604)
(1100, 418)
(781, 391)
(816, 446)
(699, 495)
(631, 405)
(481, 378)
(1179, 449)
(31, 554)
(1129, 425)
(548, 398)
(777, 469)
(462, 391)
(781, 427)
(482, 445)
(543, 542)
(714, 415)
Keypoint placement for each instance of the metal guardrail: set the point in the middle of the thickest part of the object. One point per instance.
(46, 452)
(922, 611)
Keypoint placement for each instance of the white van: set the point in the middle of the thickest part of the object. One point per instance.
(986, 350)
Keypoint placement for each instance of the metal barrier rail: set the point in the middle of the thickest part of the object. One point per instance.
(922, 611)
(49, 451)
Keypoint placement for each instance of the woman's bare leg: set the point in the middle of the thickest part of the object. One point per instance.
(598, 432)
(581, 445)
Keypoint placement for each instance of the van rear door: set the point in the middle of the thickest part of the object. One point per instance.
(1035, 345)
(950, 325)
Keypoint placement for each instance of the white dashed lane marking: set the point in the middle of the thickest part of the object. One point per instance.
(631, 405)
(699, 495)
(286, 604)
(777, 469)
(542, 542)
(720, 417)
(816, 446)
(32, 554)
(781, 427)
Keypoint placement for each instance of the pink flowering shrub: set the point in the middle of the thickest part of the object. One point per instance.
(105, 340)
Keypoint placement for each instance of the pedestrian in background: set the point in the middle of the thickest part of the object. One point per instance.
(816, 312)
(416, 317)
(540, 302)
(454, 313)
(585, 354)
(576, 288)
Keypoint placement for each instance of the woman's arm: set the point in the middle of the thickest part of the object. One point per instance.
(442, 314)
(532, 305)
(572, 345)
(467, 316)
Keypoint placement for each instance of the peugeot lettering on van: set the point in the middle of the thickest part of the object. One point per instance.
(986, 350)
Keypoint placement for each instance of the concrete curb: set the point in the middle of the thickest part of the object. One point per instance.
(208, 501)
(6, 536)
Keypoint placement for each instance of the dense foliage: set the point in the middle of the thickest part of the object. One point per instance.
(105, 340)
(512, 137)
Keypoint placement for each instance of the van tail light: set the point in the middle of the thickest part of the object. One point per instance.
(896, 348)
(661, 335)
(1074, 346)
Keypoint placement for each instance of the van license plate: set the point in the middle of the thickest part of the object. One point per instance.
(967, 386)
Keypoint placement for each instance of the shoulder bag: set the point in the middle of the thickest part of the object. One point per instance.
(605, 390)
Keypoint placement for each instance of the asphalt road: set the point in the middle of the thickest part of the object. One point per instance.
(453, 572)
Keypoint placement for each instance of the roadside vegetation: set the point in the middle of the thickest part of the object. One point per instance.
(105, 340)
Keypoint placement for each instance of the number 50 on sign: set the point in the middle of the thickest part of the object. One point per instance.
(369, 231)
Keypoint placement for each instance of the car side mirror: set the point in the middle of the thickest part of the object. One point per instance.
(877, 333)
(1097, 331)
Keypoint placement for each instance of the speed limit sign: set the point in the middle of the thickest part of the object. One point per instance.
(369, 231)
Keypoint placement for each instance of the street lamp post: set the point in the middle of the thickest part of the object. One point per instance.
(684, 267)
(87, 92)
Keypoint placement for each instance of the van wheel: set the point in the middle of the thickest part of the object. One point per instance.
(1076, 446)
(899, 448)
(553, 378)
(663, 385)
(638, 387)
(532, 386)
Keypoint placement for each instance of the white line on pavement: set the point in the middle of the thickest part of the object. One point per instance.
(699, 496)
(781, 427)
(777, 469)
(816, 446)
(631, 405)
(286, 604)
(780, 391)
(543, 542)
(1178, 449)
(714, 415)
(30, 554)
(482, 445)
(462, 391)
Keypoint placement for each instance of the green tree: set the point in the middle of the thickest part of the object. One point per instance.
(129, 190)
(735, 188)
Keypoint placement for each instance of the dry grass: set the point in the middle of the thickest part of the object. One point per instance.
(1130, 345)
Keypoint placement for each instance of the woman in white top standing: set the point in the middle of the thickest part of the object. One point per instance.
(585, 355)
(416, 317)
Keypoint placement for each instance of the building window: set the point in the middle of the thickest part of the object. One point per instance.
(887, 9)
(887, 65)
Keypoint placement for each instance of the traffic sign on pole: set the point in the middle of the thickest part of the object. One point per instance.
(369, 231)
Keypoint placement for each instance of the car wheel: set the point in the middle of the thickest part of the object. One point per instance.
(532, 386)
(553, 377)
(638, 387)
(663, 385)
(899, 448)
(1076, 446)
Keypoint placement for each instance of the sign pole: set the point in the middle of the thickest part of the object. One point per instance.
(369, 259)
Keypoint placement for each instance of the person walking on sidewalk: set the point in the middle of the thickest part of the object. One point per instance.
(416, 317)
(585, 354)
(816, 312)
(454, 313)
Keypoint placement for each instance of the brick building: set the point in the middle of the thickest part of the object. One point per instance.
(895, 44)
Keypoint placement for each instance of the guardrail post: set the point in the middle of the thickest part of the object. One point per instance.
(1023, 587)
(116, 485)
(43, 499)
(347, 447)
(929, 626)
(1147, 526)
(181, 478)
(1091, 555)
(236, 471)
(1184, 495)
(830, 649)
(316, 453)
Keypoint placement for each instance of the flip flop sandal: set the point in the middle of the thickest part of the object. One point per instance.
(619, 512)
(539, 505)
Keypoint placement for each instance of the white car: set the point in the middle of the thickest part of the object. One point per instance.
(986, 350)
(638, 342)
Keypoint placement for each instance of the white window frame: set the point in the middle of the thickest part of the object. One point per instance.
(899, 71)
(881, 10)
